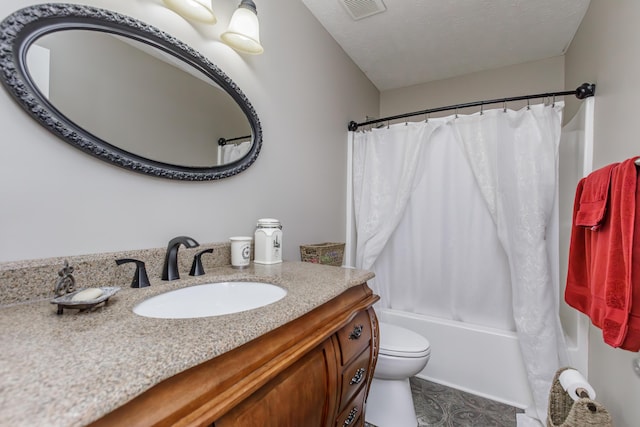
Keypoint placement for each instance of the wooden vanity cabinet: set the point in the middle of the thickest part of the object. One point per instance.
(313, 371)
(285, 400)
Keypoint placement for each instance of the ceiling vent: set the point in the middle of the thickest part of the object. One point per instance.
(359, 9)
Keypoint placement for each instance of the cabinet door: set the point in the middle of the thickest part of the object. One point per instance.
(354, 376)
(353, 415)
(355, 336)
(303, 395)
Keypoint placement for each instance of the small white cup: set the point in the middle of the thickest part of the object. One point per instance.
(240, 251)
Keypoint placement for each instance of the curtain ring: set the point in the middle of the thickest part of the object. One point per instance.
(456, 112)
(554, 101)
(426, 118)
(387, 124)
(481, 108)
(504, 106)
(528, 103)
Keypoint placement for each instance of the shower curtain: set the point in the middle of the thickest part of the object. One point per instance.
(452, 215)
(232, 152)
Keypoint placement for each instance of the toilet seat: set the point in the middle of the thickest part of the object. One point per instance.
(400, 342)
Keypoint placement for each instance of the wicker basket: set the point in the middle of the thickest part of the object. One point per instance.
(323, 253)
(565, 412)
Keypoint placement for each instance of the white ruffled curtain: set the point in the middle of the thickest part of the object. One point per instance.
(513, 157)
(231, 152)
(384, 167)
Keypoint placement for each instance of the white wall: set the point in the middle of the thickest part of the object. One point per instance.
(605, 51)
(56, 200)
(541, 76)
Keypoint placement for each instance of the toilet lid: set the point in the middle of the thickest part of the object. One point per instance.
(402, 342)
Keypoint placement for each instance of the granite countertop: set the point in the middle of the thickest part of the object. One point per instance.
(71, 369)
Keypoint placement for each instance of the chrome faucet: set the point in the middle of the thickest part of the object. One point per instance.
(170, 268)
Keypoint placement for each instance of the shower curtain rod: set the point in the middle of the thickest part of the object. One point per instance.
(225, 141)
(584, 91)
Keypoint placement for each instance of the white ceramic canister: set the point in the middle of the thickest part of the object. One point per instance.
(268, 241)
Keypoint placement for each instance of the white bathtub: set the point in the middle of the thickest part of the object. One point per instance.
(482, 361)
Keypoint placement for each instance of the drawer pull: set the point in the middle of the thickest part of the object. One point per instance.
(351, 417)
(356, 333)
(357, 378)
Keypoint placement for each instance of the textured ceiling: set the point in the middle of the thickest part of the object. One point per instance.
(417, 41)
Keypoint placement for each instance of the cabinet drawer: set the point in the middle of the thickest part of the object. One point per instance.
(354, 376)
(354, 337)
(353, 412)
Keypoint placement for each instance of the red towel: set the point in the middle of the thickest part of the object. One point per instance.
(593, 200)
(604, 265)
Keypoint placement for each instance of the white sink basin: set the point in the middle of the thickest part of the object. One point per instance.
(211, 299)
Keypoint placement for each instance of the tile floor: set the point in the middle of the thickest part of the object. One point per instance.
(440, 406)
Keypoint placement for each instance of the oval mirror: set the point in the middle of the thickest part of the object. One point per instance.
(127, 93)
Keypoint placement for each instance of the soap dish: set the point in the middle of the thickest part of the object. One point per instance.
(65, 300)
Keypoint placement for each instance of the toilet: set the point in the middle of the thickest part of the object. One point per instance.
(403, 353)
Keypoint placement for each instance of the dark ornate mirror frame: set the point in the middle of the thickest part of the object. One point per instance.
(19, 30)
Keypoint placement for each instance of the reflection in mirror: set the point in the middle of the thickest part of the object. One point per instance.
(139, 99)
(127, 93)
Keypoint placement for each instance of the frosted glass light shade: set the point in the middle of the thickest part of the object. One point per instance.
(243, 33)
(195, 10)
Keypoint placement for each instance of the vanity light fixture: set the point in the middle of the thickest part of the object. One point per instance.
(243, 33)
(195, 10)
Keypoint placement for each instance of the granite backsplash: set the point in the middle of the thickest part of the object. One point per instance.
(35, 279)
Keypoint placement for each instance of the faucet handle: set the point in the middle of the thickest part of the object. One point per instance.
(196, 267)
(140, 278)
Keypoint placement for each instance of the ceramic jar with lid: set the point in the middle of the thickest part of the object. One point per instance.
(268, 241)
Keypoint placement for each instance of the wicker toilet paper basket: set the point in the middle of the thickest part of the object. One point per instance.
(323, 253)
(565, 412)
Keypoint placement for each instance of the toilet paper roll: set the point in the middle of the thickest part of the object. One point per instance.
(572, 380)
